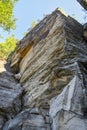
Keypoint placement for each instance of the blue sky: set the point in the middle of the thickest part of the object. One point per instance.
(27, 11)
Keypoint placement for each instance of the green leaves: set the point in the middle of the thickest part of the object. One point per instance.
(34, 23)
(7, 47)
(7, 20)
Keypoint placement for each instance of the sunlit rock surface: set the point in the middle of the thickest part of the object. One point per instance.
(68, 109)
(50, 63)
(2, 63)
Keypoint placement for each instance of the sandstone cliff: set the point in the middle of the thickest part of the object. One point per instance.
(50, 89)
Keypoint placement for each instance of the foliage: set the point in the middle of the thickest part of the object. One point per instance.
(24, 34)
(34, 23)
(7, 20)
(7, 47)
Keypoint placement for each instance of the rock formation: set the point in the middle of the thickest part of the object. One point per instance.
(48, 90)
(85, 31)
(10, 95)
(83, 3)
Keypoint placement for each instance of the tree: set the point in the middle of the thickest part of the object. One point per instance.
(8, 46)
(7, 20)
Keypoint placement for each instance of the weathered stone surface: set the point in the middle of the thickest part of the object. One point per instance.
(83, 3)
(2, 121)
(27, 120)
(51, 60)
(68, 121)
(85, 31)
(71, 99)
(68, 109)
(10, 95)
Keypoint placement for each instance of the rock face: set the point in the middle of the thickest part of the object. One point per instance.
(68, 109)
(10, 95)
(85, 31)
(83, 3)
(50, 64)
(2, 63)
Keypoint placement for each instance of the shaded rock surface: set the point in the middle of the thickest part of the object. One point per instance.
(83, 3)
(28, 120)
(10, 95)
(50, 63)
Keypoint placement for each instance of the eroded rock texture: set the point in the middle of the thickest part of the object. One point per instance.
(10, 95)
(50, 63)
